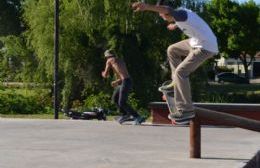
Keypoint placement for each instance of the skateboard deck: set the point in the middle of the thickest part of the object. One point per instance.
(169, 97)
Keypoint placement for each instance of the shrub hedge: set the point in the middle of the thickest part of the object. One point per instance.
(12, 102)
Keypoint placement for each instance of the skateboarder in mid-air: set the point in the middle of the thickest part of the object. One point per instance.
(122, 85)
(185, 56)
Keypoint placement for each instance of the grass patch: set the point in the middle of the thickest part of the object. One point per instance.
(50, 116)
(43, 116)
(25, 92)
(33, 116)
(231, 93)
(234, 88)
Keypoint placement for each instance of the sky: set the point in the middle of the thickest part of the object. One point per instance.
(257, 1)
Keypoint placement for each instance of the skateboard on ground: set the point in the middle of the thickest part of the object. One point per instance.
(169, 97)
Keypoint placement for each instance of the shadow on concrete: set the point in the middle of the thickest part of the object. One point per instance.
(156, 125)
(169, 125)
(234, 159)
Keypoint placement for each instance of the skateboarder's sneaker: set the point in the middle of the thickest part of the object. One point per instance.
(139, 120)
(168, 87)
(181, 117)
(124, 118)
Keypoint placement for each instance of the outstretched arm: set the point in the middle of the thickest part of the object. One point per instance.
(177, 15)
(140, 6)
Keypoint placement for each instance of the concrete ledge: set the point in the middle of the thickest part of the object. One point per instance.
(159, 111)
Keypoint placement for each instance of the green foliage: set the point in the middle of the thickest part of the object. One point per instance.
(237, 28)
(10, 17)
(101, 99)
(137, 105)
(230, 97)
(220, 69)
(231, 93)
(216, 98)
(13, 102)
(38, 15)
(221, 15)
(88, 27)
(199, 81)
(17, 61)
(249, 97)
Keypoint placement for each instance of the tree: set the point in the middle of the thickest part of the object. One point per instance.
(18, 63)
(237, 28)
(89, 27)
(10, 22)
(248, 38)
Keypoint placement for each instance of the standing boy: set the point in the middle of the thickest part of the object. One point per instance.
(122, 85)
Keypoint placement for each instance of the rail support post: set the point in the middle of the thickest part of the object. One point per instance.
(195, 138)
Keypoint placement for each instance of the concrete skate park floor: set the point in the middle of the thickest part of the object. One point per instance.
(27, 143)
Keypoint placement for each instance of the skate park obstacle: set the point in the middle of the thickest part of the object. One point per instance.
(246, 116)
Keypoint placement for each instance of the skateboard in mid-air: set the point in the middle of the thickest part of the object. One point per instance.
(169, 97)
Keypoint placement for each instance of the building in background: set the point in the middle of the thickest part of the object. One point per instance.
(238, 68)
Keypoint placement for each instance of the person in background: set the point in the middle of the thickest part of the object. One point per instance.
(122, 86)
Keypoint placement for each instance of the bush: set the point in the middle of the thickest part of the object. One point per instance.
(231, 93)
(104, 101)
(215, 98)
(137, 106)
(230, 98)
(248, 97)
(99, 100)
(12, 102)
(18, 104)
(220, 69)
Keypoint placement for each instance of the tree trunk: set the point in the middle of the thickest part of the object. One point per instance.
(244, 61)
